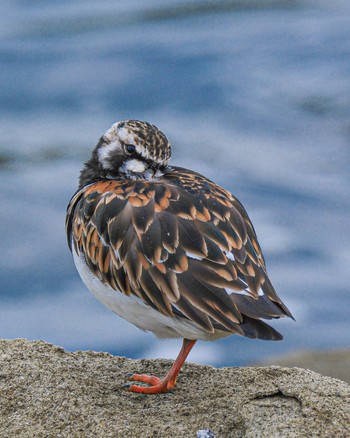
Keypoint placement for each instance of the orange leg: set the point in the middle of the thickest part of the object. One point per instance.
(169, 382)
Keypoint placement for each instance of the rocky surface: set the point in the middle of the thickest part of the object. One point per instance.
(47, 392)
(332, 363)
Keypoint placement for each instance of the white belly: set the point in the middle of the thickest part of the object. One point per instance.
(134, 310)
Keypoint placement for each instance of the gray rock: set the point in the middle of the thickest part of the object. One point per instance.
(47, 392)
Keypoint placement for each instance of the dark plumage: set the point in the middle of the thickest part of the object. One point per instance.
(182, 246)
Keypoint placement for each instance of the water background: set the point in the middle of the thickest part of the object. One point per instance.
(254, 94)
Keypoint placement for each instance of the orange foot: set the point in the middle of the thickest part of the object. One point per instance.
(158, 386)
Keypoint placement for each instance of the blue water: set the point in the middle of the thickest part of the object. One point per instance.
(255, 95)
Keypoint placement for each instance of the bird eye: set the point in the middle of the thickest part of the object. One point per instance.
(130, 148)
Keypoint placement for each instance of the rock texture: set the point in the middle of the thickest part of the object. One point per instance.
(47, 392)
(332, 363)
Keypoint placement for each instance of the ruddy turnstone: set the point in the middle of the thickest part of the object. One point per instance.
(166, 248)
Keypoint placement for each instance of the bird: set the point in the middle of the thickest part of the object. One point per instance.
(166, 248)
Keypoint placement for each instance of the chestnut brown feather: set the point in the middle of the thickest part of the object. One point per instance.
(169, 231)
(178, 261)
(209, 230)
(182, 244)
(190, 239)
(210, 303)
(159, 299)
(151, 242)
(142, 217)
(230, 234)
(194, 314)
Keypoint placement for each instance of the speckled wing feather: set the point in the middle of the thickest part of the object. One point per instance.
(182, 244)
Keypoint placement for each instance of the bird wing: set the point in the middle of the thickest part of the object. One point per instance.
(182, 244)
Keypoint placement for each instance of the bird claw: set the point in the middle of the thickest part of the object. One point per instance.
(154, 384)
(144, 378)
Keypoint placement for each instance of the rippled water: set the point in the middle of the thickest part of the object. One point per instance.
(255, 95)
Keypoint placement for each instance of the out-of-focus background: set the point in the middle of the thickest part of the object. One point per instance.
(255, 94)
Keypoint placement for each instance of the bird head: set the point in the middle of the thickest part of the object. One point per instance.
(130, 149)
